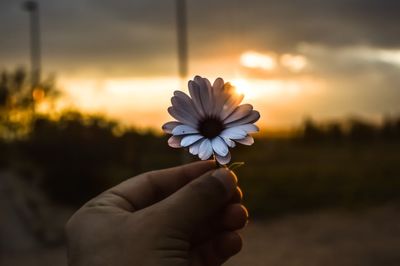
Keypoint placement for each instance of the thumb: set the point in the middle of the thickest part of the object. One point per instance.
(200, 199)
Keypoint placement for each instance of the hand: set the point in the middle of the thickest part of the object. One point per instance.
(185, 215)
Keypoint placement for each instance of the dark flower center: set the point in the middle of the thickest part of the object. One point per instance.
(211, 127)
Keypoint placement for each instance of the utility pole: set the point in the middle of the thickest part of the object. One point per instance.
(182, 38)
(33, 8)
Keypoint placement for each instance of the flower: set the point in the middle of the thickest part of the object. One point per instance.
(211, 120)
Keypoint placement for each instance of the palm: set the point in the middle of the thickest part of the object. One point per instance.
(143, 221)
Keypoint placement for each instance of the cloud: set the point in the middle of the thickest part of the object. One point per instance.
(86, 35)
(351, 44)
(142, 33)
(282, 25)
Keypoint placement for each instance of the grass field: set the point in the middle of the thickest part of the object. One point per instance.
(282, 176)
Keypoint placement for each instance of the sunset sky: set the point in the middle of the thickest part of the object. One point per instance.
(292, 59)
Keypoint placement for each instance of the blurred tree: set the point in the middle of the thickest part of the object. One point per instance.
(311, 131)
(334, 131)
(360, 130)
(78, 156)
(19, 101)
(3, 90)
(390, 128)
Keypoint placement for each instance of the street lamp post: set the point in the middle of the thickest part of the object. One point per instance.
(182, 39)
(33, 8)
(181, 24)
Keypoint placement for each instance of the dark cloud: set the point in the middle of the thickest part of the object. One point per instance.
(84, 34)
(140, 35)
(281, 25)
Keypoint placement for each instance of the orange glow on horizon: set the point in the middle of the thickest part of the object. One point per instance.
(143, 102)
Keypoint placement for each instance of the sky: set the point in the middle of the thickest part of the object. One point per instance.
(292, 59)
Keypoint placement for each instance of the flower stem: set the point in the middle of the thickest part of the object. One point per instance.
(217, 164)
(235, 165)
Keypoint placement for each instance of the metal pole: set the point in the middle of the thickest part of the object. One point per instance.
(182, 36)
(33, 8)
(182, 39)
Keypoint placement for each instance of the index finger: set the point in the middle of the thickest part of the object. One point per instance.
(150, 187)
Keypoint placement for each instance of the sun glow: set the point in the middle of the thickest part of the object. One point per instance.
(242, 87)
(252, 59)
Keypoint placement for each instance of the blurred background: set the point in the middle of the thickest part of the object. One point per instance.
(84, 88)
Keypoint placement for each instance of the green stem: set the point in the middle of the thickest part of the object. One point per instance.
(217, 164)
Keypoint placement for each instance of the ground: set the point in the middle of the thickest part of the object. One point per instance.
(363, 238)
(369, 237)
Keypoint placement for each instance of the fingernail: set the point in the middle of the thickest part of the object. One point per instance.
(247, 223)
(245, 211)
(226, 177)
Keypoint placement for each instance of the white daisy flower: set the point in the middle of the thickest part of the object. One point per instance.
(211, 120)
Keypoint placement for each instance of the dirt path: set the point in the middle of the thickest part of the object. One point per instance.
(337, 238)
(364, 238)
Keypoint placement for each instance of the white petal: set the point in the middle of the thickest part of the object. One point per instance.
(240, 112)
(181, 94)
(194, 149)
(246, 141)
(219, 146)
(184, 109)
(180, 117)
(221, 97)
(249, 128)
(229, 142)
(184, 130)
(218, 84)
(169, 126)
(194, 90)
(175, 142)
(218, 97)
(208, 82)
(233, 133)
(205, 90)
(224, 159)
(189, 140)
(231, 104)
(205, 150)
(181, 100)
(211, 98)
(251, 118)
(219, 101)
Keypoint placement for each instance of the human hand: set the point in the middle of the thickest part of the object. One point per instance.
(185, 215)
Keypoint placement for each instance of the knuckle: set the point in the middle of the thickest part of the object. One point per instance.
(71, 224)
(208, 189)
